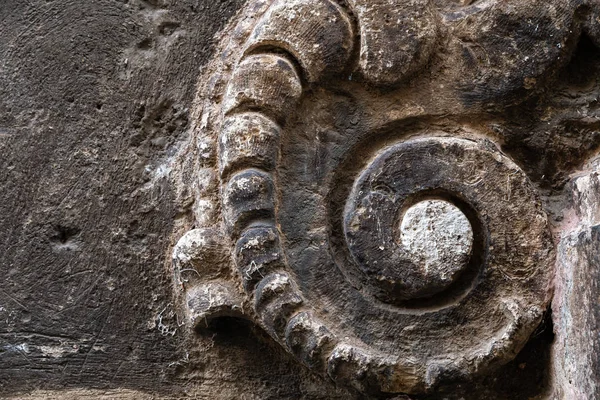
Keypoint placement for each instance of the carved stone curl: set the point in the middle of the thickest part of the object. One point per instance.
(406, 258)
(382, 252)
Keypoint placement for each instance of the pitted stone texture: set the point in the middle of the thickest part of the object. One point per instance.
(439, 238)
(213, 300)
(397, 38)
(265, 82)
(248, 140)
(316, 32)
(201, 253)
(249, 196)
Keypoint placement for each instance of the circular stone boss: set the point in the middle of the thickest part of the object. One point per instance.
(436, 240)
(439, 266)
(427, 217)
(449, 257)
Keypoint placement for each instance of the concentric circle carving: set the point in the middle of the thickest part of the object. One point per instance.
(410, 218)
(440, 268)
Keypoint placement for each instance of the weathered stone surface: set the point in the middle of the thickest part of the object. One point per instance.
(200, 253)
(576, 307)
(505, 50)
(396, 38)
(248, 140)
(309, 339)
(321, 133)
(214, 299)
(95, 99)
(343, 236)
(249, 196)
(478, 180)
(317, 33)
(348, 253)
(265, 82)
(258, 253)
(439, 237)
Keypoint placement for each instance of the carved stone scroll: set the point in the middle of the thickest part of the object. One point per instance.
(383, 245)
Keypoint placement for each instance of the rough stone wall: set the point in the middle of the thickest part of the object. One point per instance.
(96, 99)
(576, 311)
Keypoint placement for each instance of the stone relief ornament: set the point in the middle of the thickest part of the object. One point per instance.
(352, 195)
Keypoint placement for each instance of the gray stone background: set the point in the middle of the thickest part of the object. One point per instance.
(95, 98)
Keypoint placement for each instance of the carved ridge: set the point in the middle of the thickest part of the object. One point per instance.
(317, 33)
(268, 86)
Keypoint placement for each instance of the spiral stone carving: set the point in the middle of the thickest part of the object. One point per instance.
(384, 253)
(411, 246)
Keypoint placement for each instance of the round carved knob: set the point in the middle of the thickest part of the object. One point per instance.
(424, 256)
(438, 238)
(403, 229)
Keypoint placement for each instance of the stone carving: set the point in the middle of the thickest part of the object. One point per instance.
(383, 245)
